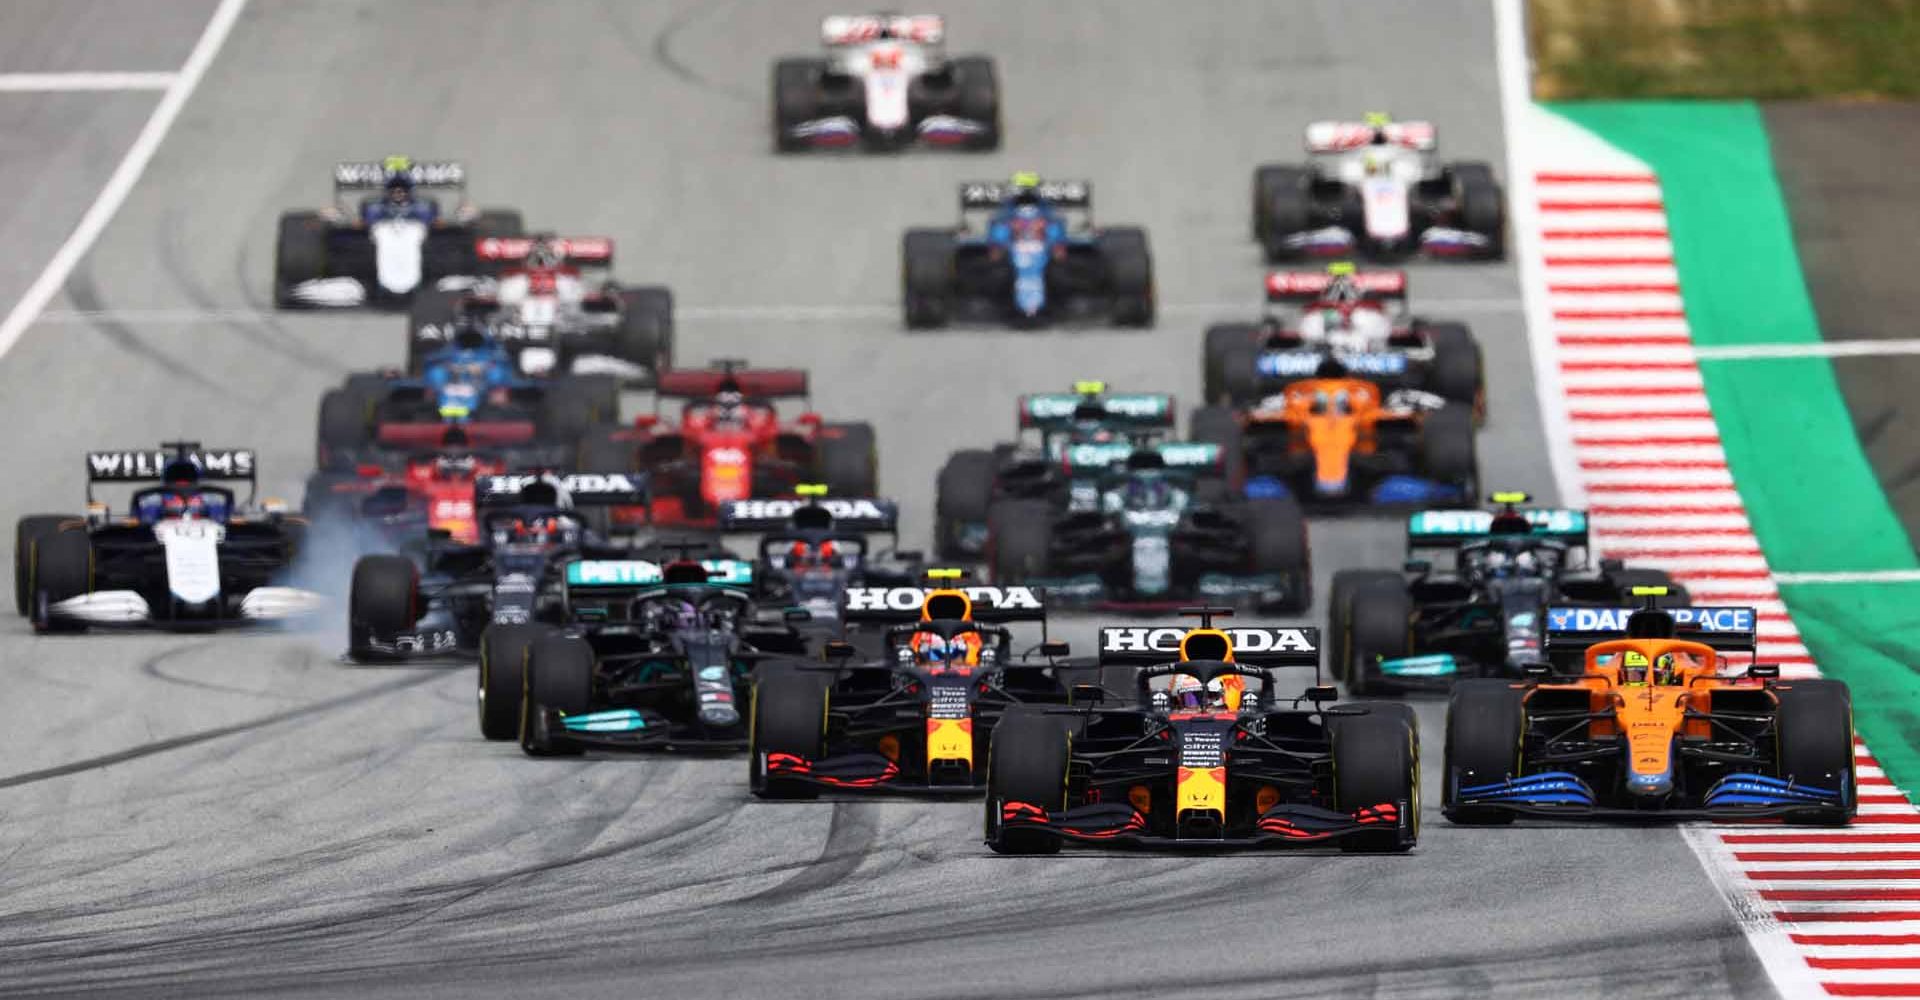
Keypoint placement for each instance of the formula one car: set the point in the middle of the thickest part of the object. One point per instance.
(918, 718)
(1378, 187)
(811, 550)
(1337, 441)
(1637, 713)
(652, 657)
(1359, 318)
(885, 82)
(1032, 467)
(186, 554)
(389, 245)
(1038, 257)
(470, 385)
(410, 494)
(1207, 753)
(1141, 530)
(440, 597)
(1483, 616)
(552, 304)
(731, 443)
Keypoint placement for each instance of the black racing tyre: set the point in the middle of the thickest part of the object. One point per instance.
(344, 424)
(1379, 626)
(1376, 766)
(601, 394)
(62, 566)
(1458, 373)
(1627, 579)
(1815, 745)
(299, 254)
(926, 278)
(978, 86)
(849, 459)
(430, 319)
(1220, 425)
(1340, 593)
(1019, 540)
(962, 494)
(1027, 761)
(795, 99)
(503, 654)
(1282, 208)
(1277, 539)
(1483, 207)
(645, 334)
(382, 602)
(1485, 719)
(27, 532)
(1227, 373)
(1129, 275)
(558, 675)
(1447, 450)
(787, 715)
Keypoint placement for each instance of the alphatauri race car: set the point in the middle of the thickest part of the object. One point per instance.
(1207, 751)
(885, 82)
(1036, 257)
(387, 245)
(1377, 187)
(1637, 713)
(812, 549)
(185, 554)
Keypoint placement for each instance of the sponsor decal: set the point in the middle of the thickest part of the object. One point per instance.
(841, 508)
(226, 463)
(514, 583)
(1300, 364)
(1436, 665)
(1138, 406)
(911, 598)
(1479, 522)
(376, 174)
(948, 701)
(1245, 639)
(640, 572)
(717, 672)
(1615, 619)
(579, 483)
(983, 194)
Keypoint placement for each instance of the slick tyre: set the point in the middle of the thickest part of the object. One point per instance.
(978, 86)
(795, 100)
(1378, 621)
(1376, 775)
(1485, 719)
(788, 715)
(383, 601)
(1482, 205)
(1129, 275)
(1447, 450)
(299, 254)
(503, 654)
(849, 460)
(1277, 539)
(926, 278)
(1027, 761)
(1019, 540)
(1281, 208)
(1220, 425)
(1346, 583)
(558, 676)
(28, 532)
(1815, 745)
(962, 494)
(344, 425)
(645, 334)
(1457, 374)
(1228, 374)
(62, 567)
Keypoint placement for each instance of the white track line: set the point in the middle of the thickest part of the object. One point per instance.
(48, 83)
(1864, 576)
(114, 194)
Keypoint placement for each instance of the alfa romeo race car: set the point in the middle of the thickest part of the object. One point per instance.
(813, 549)
(731, 443)
(1377, 186)
(186, 554)
(1360, 319)
(440, 596)
(389, 244)
(918, 717)
(552, 303)
(1636, 712)
(1037, 256)
(1207, 752)
(1482, 613)
(651, 656)
(885, 82)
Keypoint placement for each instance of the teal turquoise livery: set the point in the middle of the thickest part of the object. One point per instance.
(641, 573)
(619, 720)
(1547, 523)
(1434, 665)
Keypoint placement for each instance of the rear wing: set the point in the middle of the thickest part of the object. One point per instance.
(902, 604)
(1727, 629)
(1123, 410)
(1308, 286)
(1335, 137)
(587, 489)
(848, 513)
(857, 29)
(977, 195)
(151, 465)
(597, 573)
(374, 174)
(595, 250)
(1450, 529)
(1253, 645)
(1178, 456)
(754, 383)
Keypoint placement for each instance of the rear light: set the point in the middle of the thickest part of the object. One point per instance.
(370, 471)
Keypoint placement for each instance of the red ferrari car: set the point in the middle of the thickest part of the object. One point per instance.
(434, 487)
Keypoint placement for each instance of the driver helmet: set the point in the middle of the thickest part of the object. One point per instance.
(1496, 563)
(1634, 667)
(453, 466)
(1026, 190)
(537, 529)
(730, 405)
(1186, 694)
(939, 652)
(674, 613)
(1147, 493)
(543, 254)
(184, 505)
(1525, 561)
(804, 556)
(400, 189)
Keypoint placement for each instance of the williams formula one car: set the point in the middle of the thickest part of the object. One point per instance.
(1378, 187)
(1207, 753)
(186, 554)
(885, 82)
(1637, 713)
(1036, 257)
(386, 246)
(811, 550)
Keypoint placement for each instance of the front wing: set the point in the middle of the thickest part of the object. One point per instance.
(1285, 825)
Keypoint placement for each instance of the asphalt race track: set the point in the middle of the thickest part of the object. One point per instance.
(243, 815)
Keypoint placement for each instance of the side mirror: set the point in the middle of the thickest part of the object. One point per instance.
(1054, 649)
(1418, 567)
(837, 649)
(1764, 671)
(796, 616)
(1320, 694)
(1086, 694)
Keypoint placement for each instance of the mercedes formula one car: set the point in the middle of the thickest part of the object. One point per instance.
(1377, 187)
(1035, 257)
(389, 244)
(812, 549)
(186, 554)
(1207, 752)
(1636, 713)
(885, 82)
(1359, 318)
(1484, 615)
(917, 717)
(552, 304)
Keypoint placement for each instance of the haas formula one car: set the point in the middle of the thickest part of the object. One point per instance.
(1359, 318)
(917, 718)
(1637, 713)
(552, 304)
(1036, 257)
(386, 246)
(812, 549)
(885, 82)
(185, 555)
(1207, 752)
(1378, 187)
(1483, 616)
(731, 443)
